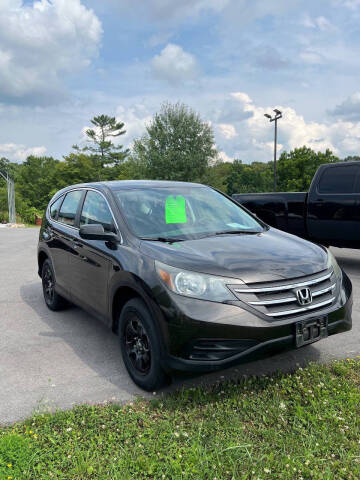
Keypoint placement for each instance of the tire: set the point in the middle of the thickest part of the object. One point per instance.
(140, 346)
(52, 299)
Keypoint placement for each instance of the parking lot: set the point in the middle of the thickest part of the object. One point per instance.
(54, 360)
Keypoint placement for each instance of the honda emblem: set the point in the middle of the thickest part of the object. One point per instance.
(304, 296)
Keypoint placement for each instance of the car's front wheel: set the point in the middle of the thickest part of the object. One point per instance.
(52, 299)
(140, 346)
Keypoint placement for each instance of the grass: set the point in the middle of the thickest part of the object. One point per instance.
(304, 425)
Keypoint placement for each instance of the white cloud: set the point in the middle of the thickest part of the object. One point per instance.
(39, 43)
(170, 11)
(227, 130)
(224, 157)
(235, 12)
(254, 134)
(322, 23)
(270, 58)
(349, 108)
(351, 4)
(311, 57)
(19, 153)
(248, 135)
(158, 38)
(175, 65)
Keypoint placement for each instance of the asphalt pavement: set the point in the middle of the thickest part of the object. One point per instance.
(51, 360)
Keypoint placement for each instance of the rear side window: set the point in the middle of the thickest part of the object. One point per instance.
(54, 209)
(339, 179)
(69, 207)
(96, 211)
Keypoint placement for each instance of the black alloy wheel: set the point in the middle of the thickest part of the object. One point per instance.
(52, 299)
(48, 284)
(141, 346)
(137, 345)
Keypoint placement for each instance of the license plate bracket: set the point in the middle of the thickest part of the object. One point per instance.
(310, 331)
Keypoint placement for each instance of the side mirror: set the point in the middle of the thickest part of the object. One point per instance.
(97, 232)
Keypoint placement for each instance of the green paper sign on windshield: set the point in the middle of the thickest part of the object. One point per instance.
(175, 211)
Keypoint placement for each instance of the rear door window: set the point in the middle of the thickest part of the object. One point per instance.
(339, 179)
(96, 211)
(69, 207)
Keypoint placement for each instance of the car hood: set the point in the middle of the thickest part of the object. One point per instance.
(267, 256)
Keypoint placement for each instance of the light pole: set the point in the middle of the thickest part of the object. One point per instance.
(275, 118)
(11, 196)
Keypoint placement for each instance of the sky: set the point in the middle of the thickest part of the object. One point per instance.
(64, 61)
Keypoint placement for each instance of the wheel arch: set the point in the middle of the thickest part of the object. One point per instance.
(42, 256)
(136, 288)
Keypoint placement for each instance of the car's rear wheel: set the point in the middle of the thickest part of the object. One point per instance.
(52, 299)
(140, 346)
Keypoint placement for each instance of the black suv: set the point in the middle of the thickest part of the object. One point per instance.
(187, 278)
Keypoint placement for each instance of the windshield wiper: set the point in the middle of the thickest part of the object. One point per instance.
(236, 232)
(163, 239)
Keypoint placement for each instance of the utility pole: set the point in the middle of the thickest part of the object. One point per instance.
(11, 195)
(275, 118)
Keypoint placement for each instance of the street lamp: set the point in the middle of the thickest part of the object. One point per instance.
(275, 118)
(11, 196)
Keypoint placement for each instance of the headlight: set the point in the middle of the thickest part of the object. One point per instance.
(196, 285)
(333, 263)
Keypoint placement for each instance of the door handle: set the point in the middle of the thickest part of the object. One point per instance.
(319, 199)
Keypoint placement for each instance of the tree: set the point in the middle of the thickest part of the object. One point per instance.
(217, 174)
(352, 158)
(77, 168)
(7, 167)
(249, 178)
(103, 151)
(36, 179)
(297, 168)
(177, 145)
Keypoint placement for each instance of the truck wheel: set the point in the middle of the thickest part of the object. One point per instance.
(52, 299)
(140, 346)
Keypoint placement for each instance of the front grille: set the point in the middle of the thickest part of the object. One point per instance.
(279, 300)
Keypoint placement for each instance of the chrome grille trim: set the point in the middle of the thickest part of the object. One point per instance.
(293, 298)
(302, 309)
(274, 302)
(324, 290)
(279, 299)
(284, 287)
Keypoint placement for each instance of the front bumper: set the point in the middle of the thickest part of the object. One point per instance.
(203, 336)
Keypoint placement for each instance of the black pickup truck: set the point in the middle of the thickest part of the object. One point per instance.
(329, 213)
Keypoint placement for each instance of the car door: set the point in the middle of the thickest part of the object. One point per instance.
(91, 263)
(333, 212)
(61, 231)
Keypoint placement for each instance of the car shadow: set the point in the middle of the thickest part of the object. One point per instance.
(92, 342)
(96, 346)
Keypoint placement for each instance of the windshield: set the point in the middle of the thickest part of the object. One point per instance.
(182, 213)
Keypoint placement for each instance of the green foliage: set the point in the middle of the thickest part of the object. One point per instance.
(216, 175)
(7, 167)
(36, 180)
(297, 168)
(16, 457)
(102, 150)
(177, 145)
(286, 426)
(245, 178)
